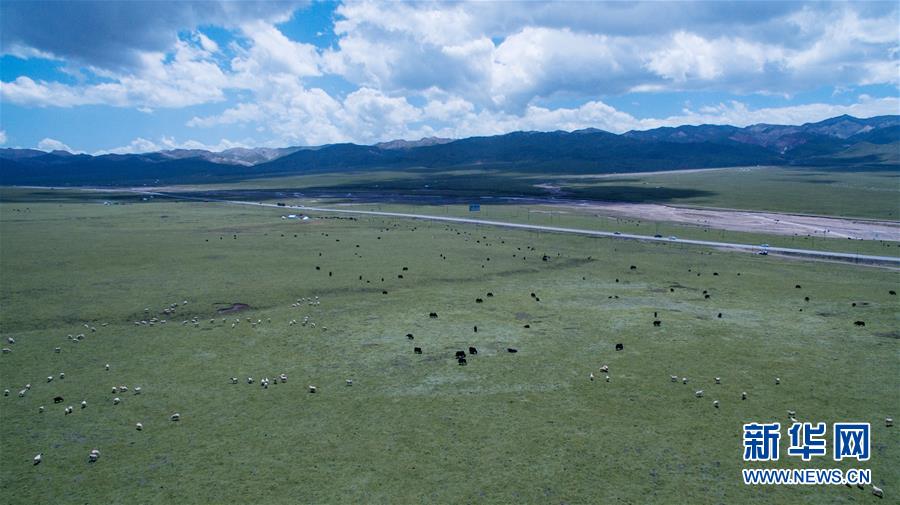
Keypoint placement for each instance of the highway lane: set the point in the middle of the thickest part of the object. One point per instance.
(810, 253)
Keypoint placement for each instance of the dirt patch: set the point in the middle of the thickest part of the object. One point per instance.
(234, 307)
(521, 316)
(749, 221)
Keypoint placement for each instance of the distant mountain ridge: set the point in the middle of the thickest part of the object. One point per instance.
(843, 140)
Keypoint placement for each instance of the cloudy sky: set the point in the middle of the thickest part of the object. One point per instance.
(133, 76)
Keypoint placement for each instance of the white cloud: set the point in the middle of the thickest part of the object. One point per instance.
(49, 144)
(142, 145)
(2, 137)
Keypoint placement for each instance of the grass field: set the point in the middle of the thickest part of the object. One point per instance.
(507, 428)
(820, 191)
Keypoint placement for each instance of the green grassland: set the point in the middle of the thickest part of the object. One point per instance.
(507, 428)
(820, 191)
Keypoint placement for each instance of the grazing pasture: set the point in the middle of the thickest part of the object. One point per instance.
(597, 405)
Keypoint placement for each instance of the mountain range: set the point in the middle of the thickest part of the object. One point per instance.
(846, 141)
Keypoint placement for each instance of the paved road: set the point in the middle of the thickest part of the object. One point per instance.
(836, 256)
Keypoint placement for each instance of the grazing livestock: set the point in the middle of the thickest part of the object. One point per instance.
(512, 350)
(116, 400)
(283, 378)
(107, 367)
(591, 376)
(673, 378)
(49, 378)
(57, 350)
(797, 286)
(234, 380)
(433, 315)
(41, 409)
(11, 340)
(479, 300)
(632, 267)
(139, 426)
(716, 403)
(83, 404)
(604, 368)
(68, 410)
(684, 380)
(607, 378)
(744, 395)
(877, 491)
(62, 375)
(417, 350)
(527, 326)
(892, 292)
(718, 380)
(490, 294)
(175, 417)
(312, 389)
(460, 354)
(410, 336)
(777, 381)
(473, 350)
(249, 380)
(859, 323)
(7, 350)
(349, 382)
(22, 393)
(461, 361)
(475, 329)
(37, 459)
(888, 421)
(620, 347)
(657, 322)
(57, 399)
(698, 393)
(720, 315)
(94, 455)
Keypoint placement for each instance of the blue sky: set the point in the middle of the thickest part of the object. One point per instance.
(134, 76)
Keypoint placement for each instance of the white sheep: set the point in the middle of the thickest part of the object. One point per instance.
(115, 389)
(698, 393)
(22, 393)
(777, 380)
(604, 368)
(116, 400)
(49, 378)
(7, 350)
(41, 409)
(57, 350)
(234, 380)
(69, 410)
(718, 380)
(175, 417)
(5, 392)
(11, 340)
(62, 375)
(888, 421)
(684, 380)
(123, 388)
(37, 459)
(349, 382)
(673, 378)
(94, 455)
(83, 404)
(283, 377)
(744, 395)
(249, 380)
(27, 386)
(139, 426)
(792, 413)
(107, 367)
(877, 491)
(137, 390)
(312, 389)
(716, 403)
(591, 376)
